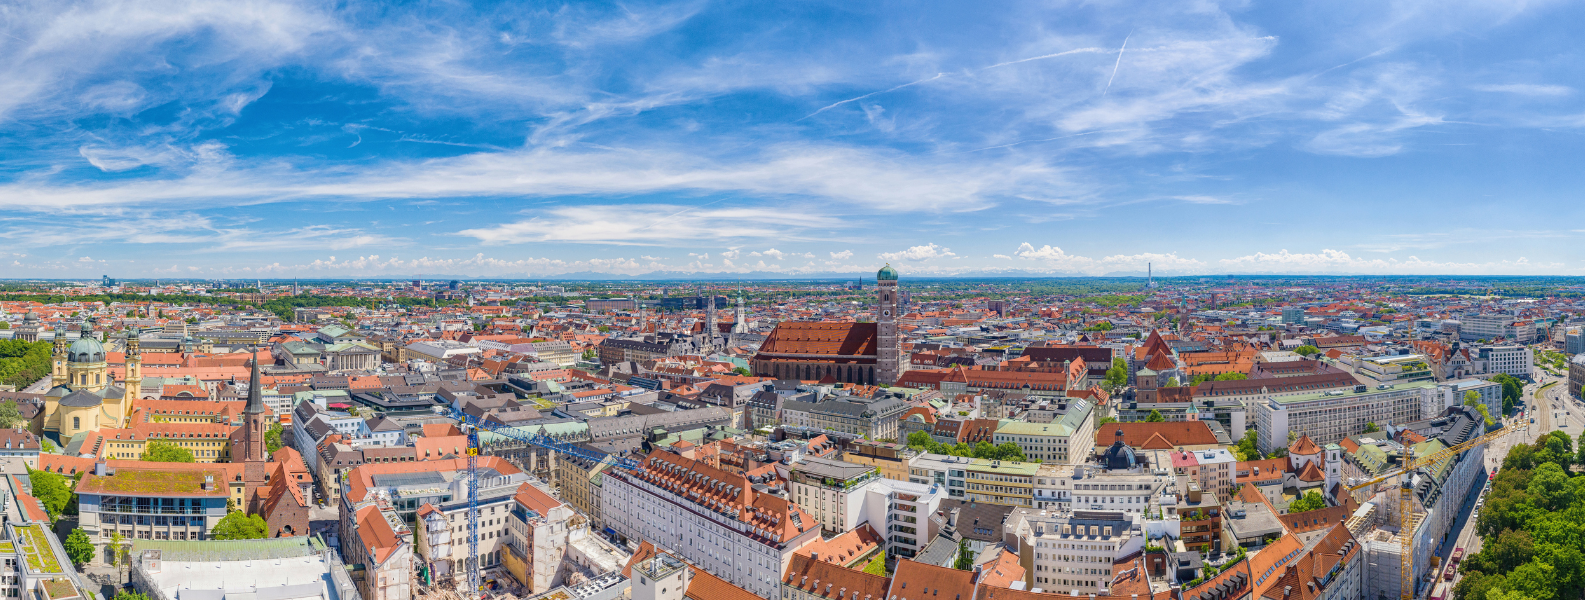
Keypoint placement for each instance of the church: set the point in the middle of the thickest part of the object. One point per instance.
(861, 353)
(82, 397)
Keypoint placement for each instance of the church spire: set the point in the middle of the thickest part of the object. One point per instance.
(255, 389)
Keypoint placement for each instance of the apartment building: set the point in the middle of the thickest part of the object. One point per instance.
(901, 511)
(1493, 326)
(1065, 440)
(539, 530)
(439, 490)
(375, 536)
(1328, 417)
(831, 491)
(1070, 487)
(1211, 470)
(578, 480)
(741, 530)
(1000, 482)
(1073, 551)
(875, 418)
(1511, 359)
(890, 459)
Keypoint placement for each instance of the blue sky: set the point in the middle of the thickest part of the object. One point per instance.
(291, 139)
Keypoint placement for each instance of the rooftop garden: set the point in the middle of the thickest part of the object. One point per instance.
(138, 481)
(57, 589)
(36, 546)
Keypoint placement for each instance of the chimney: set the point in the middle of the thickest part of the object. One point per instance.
(209, 483)
(99, 468)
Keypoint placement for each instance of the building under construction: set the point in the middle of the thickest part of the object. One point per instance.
(1437, 492)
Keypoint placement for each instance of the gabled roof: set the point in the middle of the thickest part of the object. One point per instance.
(1175, 433)
(919, 581)
(1304, 446)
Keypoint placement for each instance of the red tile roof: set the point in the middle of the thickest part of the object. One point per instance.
(821, 338)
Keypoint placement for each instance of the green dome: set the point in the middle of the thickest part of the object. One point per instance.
(86, 349)
(887, 273)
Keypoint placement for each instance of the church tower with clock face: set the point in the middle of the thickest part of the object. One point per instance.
(888, 355)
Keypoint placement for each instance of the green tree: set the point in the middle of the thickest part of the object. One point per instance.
(51, 489)
(126, 595)
(1171, 383)
(1311, 500)
(965, 560)
(1154, 417)
(1247, 448)
(1105, 420)
(742, 372)
(9, 416)
(1232, 377)
(1117, 375)
(1306, 350)
(240, 526)
(272, 437)
(163, 451)
(48, 447)
(1371, 427)
(120, 549)
(78, 548)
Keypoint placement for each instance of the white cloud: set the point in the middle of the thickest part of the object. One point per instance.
(649, 224)
(1055, 259)
(843, 255)
(1340, 262)
(853, 178)
(925, 252)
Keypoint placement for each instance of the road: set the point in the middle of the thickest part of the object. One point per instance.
(1539, 403)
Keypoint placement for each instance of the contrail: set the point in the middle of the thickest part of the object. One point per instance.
(1119, 64)
(1063, 53)
(834, 105)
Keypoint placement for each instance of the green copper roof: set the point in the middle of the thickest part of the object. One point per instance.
(887, 273)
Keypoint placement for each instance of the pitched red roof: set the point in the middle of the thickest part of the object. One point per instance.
(821, 338)
(1176, 433)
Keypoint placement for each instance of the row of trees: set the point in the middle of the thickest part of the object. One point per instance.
(921, 441)
(22, 363)
(1532, 527)
(1512, 391)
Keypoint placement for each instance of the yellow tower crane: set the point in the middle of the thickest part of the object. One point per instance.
(1406, 519)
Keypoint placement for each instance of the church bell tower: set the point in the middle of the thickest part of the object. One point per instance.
(889, 347)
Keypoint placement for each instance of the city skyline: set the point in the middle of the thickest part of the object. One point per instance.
(277, 140)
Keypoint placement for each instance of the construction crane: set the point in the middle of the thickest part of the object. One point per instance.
(471, 426)
(1406, 520)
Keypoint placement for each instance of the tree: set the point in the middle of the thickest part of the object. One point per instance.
(1105, 420)
(1247, 448)
(78, 548)
(50, 488)
(1306, 350)
(1171, 383)
(965, 560)
(1154, 417)
(9, 417)
(272, 437)
(1372, 427)
(163, 451)
(120, 547)
(48, 447)
(1232, 377)
(126, 595)
(1311, 500)
(240, 526)
(742, 372)
(1117, 376)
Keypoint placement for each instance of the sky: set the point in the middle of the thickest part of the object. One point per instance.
(279, 139)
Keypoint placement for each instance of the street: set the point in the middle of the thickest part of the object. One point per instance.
(1541, 403)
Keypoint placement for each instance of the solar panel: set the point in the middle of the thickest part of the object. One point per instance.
(401, 479)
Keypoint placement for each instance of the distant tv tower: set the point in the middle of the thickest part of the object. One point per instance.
(1150, 275)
